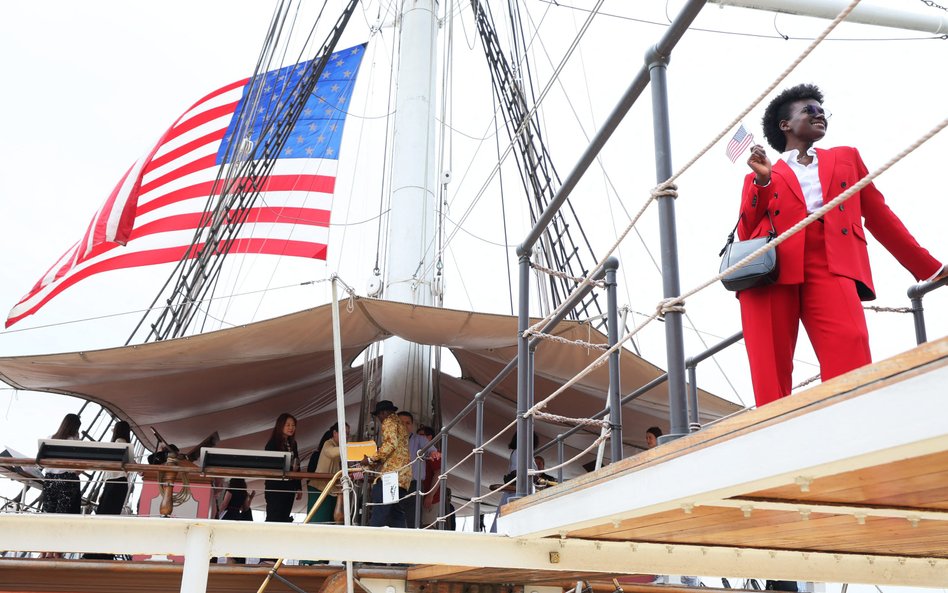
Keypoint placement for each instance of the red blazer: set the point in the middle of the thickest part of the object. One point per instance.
(839, 168)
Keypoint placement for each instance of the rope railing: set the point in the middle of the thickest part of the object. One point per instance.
(806, 382)
(679, 300)
(557, 419)
(568, 342)
(879, 309)
(668, 188)
(564, 275)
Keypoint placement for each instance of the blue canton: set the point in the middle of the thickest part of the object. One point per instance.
(318, 131)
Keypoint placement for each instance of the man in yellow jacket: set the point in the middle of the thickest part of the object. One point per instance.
(392, 456)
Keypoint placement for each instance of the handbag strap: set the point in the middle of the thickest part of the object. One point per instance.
(730, 236)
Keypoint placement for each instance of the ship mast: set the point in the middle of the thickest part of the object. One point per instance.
(412, 252)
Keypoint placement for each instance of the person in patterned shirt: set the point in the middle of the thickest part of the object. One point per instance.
(391, 456)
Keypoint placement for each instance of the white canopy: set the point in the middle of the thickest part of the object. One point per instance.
(237, 381)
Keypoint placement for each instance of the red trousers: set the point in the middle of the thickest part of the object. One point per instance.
(830, 310)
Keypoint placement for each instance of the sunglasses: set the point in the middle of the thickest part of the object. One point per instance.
(814, 110)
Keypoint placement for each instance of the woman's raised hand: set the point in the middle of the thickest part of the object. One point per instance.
(760, 164)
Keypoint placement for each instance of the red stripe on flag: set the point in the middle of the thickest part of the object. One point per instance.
(174, 254)
(185, 149)
(198, 120)
(303, 183)
(206, 162)
(180, 222)
(99, 226)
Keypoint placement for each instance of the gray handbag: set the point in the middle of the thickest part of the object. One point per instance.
(763, 271)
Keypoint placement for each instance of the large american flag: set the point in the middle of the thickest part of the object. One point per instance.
(152, 214)
(739, 143)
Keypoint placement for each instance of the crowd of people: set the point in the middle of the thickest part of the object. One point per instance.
(391, 476)
(399, 442)
(389, 468)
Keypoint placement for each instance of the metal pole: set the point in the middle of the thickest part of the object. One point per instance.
(364, 514)
(523, 380)
(531, 425)
(443, 483)
(915, 294)
(657, 62)
(693, 423)
(918, 313)
(867, 13)
(478, 457)
(560, 456)
(615, 408)
(341, 417)
(691, 364)
(418, 488)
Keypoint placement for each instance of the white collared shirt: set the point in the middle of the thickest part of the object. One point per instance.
(808, 176)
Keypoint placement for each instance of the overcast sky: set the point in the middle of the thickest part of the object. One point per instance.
(90, 87)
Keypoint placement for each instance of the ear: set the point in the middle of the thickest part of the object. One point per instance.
(784, 125)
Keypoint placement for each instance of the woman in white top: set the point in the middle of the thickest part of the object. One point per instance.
(112, 499)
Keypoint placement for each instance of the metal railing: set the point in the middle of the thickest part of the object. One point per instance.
(915, 294)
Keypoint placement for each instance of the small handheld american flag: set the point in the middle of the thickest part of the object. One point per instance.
(739, 143)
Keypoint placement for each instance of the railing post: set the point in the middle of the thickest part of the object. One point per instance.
(443, 483)
(478, 457)
(560, 456)
(691, 364)
(915, 294)
(612, 321)
(657, 63)
(364, 512)
(918, 313)
(524, 401)
(418, 489)
(694, 425)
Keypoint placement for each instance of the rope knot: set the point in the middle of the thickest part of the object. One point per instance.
(671, 305)
(665, 190)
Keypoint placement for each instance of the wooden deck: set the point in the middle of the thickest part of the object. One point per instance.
(846, 482)
(94, 576)
(854, 466)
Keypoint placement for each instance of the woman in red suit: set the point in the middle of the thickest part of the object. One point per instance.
(824, 269)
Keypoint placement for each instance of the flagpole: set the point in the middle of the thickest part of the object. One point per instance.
(341, 416)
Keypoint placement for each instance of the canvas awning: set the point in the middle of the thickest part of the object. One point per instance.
(236, 381)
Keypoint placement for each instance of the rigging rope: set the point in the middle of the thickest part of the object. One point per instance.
(518, 133)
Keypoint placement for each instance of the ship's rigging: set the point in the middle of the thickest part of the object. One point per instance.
(239, 182)
(564, 247)
(534, 162)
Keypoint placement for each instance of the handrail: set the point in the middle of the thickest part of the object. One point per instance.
(141, 468)
(915, 294)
